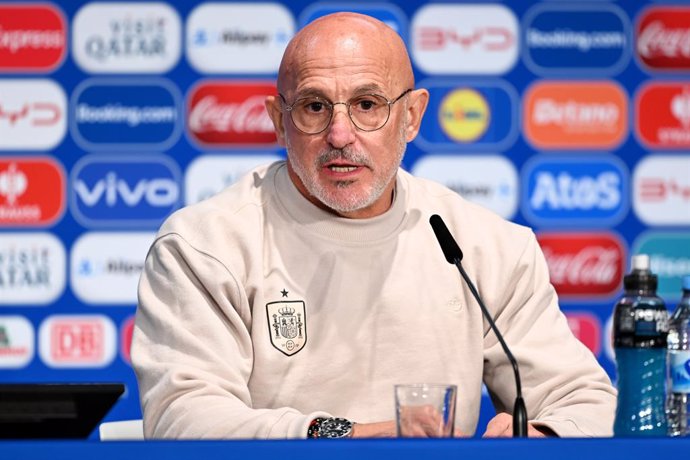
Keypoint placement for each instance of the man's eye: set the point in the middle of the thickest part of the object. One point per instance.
(365, 105)
(314, 106)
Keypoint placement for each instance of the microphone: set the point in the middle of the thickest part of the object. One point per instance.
(453, 255)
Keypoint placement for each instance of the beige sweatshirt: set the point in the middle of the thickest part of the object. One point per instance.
(258, 311)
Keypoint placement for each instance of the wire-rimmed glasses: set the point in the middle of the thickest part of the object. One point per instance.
(313, 114)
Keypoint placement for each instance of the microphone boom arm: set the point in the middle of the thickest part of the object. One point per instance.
(519, 410)
(453, 255)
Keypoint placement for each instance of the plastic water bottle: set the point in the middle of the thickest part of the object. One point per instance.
(678, 407)
(640, 328)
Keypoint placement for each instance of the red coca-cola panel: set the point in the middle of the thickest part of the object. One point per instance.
(587, 328)
(584, 264)
(224, 113)
(663, 38)
(32, 37)
(32, 191)
(662, 115)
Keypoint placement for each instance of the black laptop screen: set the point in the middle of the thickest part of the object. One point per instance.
(54, 410)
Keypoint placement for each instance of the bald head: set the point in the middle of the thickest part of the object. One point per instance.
(343, 39)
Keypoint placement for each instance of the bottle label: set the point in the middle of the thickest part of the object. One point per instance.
(651, 321)
(640, 325)
(680, 371)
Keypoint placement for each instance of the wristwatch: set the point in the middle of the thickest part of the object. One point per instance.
(330, 428)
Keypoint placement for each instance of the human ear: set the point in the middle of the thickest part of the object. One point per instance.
(272, 104)
(416, 106)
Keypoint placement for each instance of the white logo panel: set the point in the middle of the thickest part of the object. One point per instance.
(105, 266)
(32, 268)
(16, 342)
(124, 37)
(77, 341)
(209, 174)
(488, 180)
(464, 39)
(661, 190)
(228, 38)
(33, 114)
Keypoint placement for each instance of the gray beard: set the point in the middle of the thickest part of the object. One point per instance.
(340, 203)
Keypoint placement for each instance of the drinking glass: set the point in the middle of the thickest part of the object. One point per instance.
(425, 410)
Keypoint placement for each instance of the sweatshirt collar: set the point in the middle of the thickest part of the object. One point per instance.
(327, 225)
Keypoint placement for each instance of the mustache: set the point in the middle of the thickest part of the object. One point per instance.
(346, 154)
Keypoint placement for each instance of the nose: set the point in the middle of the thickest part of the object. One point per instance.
(341, 131)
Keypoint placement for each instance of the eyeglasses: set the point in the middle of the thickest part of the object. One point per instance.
(313, 114)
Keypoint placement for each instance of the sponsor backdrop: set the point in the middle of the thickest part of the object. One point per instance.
(572, 117)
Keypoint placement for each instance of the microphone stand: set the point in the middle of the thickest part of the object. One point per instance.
(519, 410)
(453, 255)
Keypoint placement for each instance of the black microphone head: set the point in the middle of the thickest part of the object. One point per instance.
(449, 246)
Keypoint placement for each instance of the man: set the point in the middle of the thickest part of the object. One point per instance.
(309, 288)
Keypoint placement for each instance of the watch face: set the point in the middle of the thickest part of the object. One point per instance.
(335, 428)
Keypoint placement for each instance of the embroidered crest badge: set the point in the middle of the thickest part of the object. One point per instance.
(287, 325)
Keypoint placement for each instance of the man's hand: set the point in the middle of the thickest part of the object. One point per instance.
(382, 430)
(374, 430)
(501, 426)
(421, 422)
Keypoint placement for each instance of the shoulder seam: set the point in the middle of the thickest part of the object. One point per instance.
(199, 251)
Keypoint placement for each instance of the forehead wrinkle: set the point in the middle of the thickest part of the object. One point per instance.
(311, 91)
(326, 80)
(332, 65)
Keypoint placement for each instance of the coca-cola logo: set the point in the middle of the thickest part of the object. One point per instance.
(663, 38)
(230, 113)
(584, 264)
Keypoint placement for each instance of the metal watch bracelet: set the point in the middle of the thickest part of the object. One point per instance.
(329, 428)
